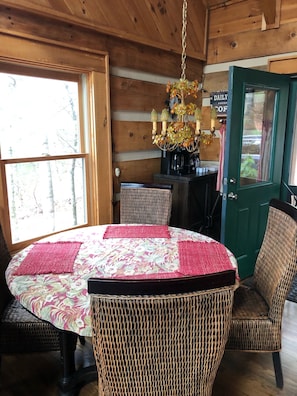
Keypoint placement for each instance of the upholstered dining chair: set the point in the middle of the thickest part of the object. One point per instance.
(21, 331)
(259, 301)
(145, 203)
(160, 338)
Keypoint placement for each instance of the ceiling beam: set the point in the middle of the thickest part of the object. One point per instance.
(271, 13)
(269, 10)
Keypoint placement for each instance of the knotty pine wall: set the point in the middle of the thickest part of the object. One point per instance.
(236, 31)
(237, 35)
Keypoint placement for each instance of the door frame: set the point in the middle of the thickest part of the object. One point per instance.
(286, 188)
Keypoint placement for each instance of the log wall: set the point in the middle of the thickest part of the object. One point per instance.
(142, 39)
(139, 71)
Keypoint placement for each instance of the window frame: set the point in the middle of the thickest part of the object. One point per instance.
(91, 69)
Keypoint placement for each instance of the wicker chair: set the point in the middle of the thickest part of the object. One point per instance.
(145, 203)
(259, 301)
(161, 338)
(21, 331)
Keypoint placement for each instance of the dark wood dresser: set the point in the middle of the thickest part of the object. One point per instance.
(196, 205)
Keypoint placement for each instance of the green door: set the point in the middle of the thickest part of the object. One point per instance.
(253, 158)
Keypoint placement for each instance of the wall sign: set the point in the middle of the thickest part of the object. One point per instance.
(219, 100)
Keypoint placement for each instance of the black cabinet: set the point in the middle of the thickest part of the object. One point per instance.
(196, 205)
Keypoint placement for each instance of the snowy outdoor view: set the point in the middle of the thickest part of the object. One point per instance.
(39, 118)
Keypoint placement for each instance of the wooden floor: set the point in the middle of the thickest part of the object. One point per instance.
(240, 374)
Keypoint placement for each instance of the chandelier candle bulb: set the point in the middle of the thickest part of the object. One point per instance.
(154, 119)
(197, 127)
(213, 116)
(198, 120)
(164, 119)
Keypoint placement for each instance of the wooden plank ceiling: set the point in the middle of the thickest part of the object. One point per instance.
(156, 23)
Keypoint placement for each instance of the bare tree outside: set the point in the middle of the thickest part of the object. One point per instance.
(39, 131)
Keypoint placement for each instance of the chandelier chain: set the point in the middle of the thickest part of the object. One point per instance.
(184, 40)
(183, 131)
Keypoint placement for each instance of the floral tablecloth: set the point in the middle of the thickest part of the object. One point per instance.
(62, 298)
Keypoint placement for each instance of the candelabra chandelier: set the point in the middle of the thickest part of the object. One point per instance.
(184, 131)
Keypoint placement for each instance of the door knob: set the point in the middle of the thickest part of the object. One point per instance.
(233, 196)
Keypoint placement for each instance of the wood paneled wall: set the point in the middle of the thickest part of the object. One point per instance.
(136, 69)
(143, 41)
(236, 31)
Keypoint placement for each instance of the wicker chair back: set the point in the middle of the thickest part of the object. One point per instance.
(259, 301)
(5, 257)
(21, 331)
(145, 203)
(276, 264)
(159, 344)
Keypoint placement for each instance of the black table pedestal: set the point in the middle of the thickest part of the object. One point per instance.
(73, 380)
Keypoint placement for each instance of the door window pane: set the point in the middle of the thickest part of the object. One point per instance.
(257, 135)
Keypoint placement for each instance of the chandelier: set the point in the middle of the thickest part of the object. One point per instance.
(184, 130)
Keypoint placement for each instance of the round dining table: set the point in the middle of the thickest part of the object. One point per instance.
(50, 277)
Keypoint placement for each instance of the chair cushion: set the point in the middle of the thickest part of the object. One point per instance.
(249, 304)
(251, 328)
